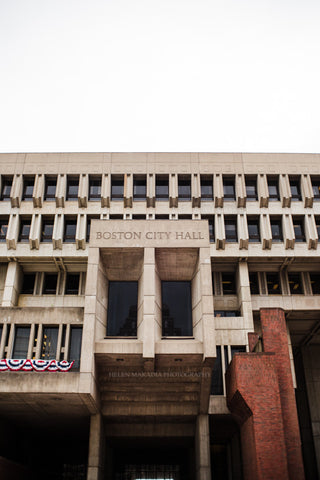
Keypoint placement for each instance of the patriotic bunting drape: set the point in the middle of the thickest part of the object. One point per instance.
(26, 365)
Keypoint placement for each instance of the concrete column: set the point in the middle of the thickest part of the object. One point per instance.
(96, 448)
(202, 447)
(12, 285)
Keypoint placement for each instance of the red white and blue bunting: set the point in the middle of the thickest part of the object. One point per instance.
(26, 365)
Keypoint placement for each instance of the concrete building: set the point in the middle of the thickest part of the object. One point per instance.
(185, 289)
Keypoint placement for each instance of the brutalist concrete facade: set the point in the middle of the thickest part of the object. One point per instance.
(225, 400)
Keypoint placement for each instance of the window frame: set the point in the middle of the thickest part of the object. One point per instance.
(139, 181)
(187, 303)
(255, 237)
(6, 183)
(184, 181)
(67, 238)
(46, 221)
(273, 182)
(94, 197)
(251, 182)
(276, 222)
(229, 181)
(299, 222)
(231, 221)
(27, 183)
(164, 180)
(295, 183)
(23, 237)
(72, 181)
(205, 182)
(49, 182)
(116, 182)
(4, 222)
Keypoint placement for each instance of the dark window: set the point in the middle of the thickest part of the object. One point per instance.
(176, 309)
(206, 184)
(139, 187)
(21, 342)
(3, 229)
(230, 225)
(228, 283)
(117, 187)
(210, 219)
(254, 230)
(229, 191)
(72, 284)
(75, 346)
(49, 343)
(273, 188)
(185, 217)
(315, 283)
(50, 188)
(273, 283)
(316, 188)
(50, 283)
(28, 283)
(295, 283)
(276, 230)
(94, 188)
(254, 283)
(6, 188)
(70, 228)
(295, 189)
(47, 229)
(317, 219)
(216, 382)
(116, 217)
(227, 313)
(184, 187)
(122, 309)
(25, 225)
(1, 330)
(72, 188)
(138, 217)
(237, 349)
(251, 189)
(162, 187)
(28, 184)
(299, 229)
(161, 217)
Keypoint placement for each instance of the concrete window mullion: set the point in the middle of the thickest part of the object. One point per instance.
(67, 342)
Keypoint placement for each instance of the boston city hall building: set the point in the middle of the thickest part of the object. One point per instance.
(160, 316)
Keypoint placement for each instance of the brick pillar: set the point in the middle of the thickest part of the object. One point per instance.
(275, 339)
(254, 400)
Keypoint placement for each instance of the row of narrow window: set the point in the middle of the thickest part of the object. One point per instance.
(49, 283)
(161, 186)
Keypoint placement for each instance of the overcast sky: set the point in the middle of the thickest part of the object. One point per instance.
(160, 75)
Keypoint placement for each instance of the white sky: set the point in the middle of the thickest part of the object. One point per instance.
(160, 75)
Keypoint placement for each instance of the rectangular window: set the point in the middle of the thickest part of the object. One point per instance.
(176, 309)
(253, 230)
(138, 217)
(47, 229)
(237, 349)
(295, 283)
(316, 188)
(162, 188)
(298, 226)
(50, 189)
(117, 187)
(295, 189)
(3, 229)
(70, 228)
(230, 225)
(72, 188)
(28, 283)
(94, 188)
(75, 346)
(210, 219)
(217, 382)
(21, 342)
(229, 190)
(254, 283)
(28, 185)
(251, 189)
(6, 188)
(273, 283)
(276, 229)
(122, 309)
(89, 219)
(229, 286)
(50, 283)
(315, 283)
(49, 343)
(184, 187)
(72, 284)
(139, 187)
(227, 313)
(273, 188)
(206, 183)
(24, 232)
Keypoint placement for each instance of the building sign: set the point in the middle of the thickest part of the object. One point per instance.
(149, 233)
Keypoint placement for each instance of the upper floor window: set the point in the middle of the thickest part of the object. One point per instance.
(227, 313)
(229, 190)
(49, 343)
(3, 229)
(162, 187)
(273, 188)
(72, 188)
(295, 283)
(50, 188)
(117, 187)
(122, 309)
(21, 342)
(206, 184)
(50, 284)
(89, 219)
(295, 189)
(298, 227)
(75, 346)
(251, 189)
(184, 187)
(47, 229)
(139, 187)
(70, 228)
(28, 185)
(254, 283)
(230, 225)
(276, 229)
(316, 188)
(24, 232)
(72, 284)
(253, 230)
(317, 219)
(315, 283)
(273, 283)
(94, 188)
(229, 286)
(6, 188)
(210, 219)
(29, 280)
(176, 309)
